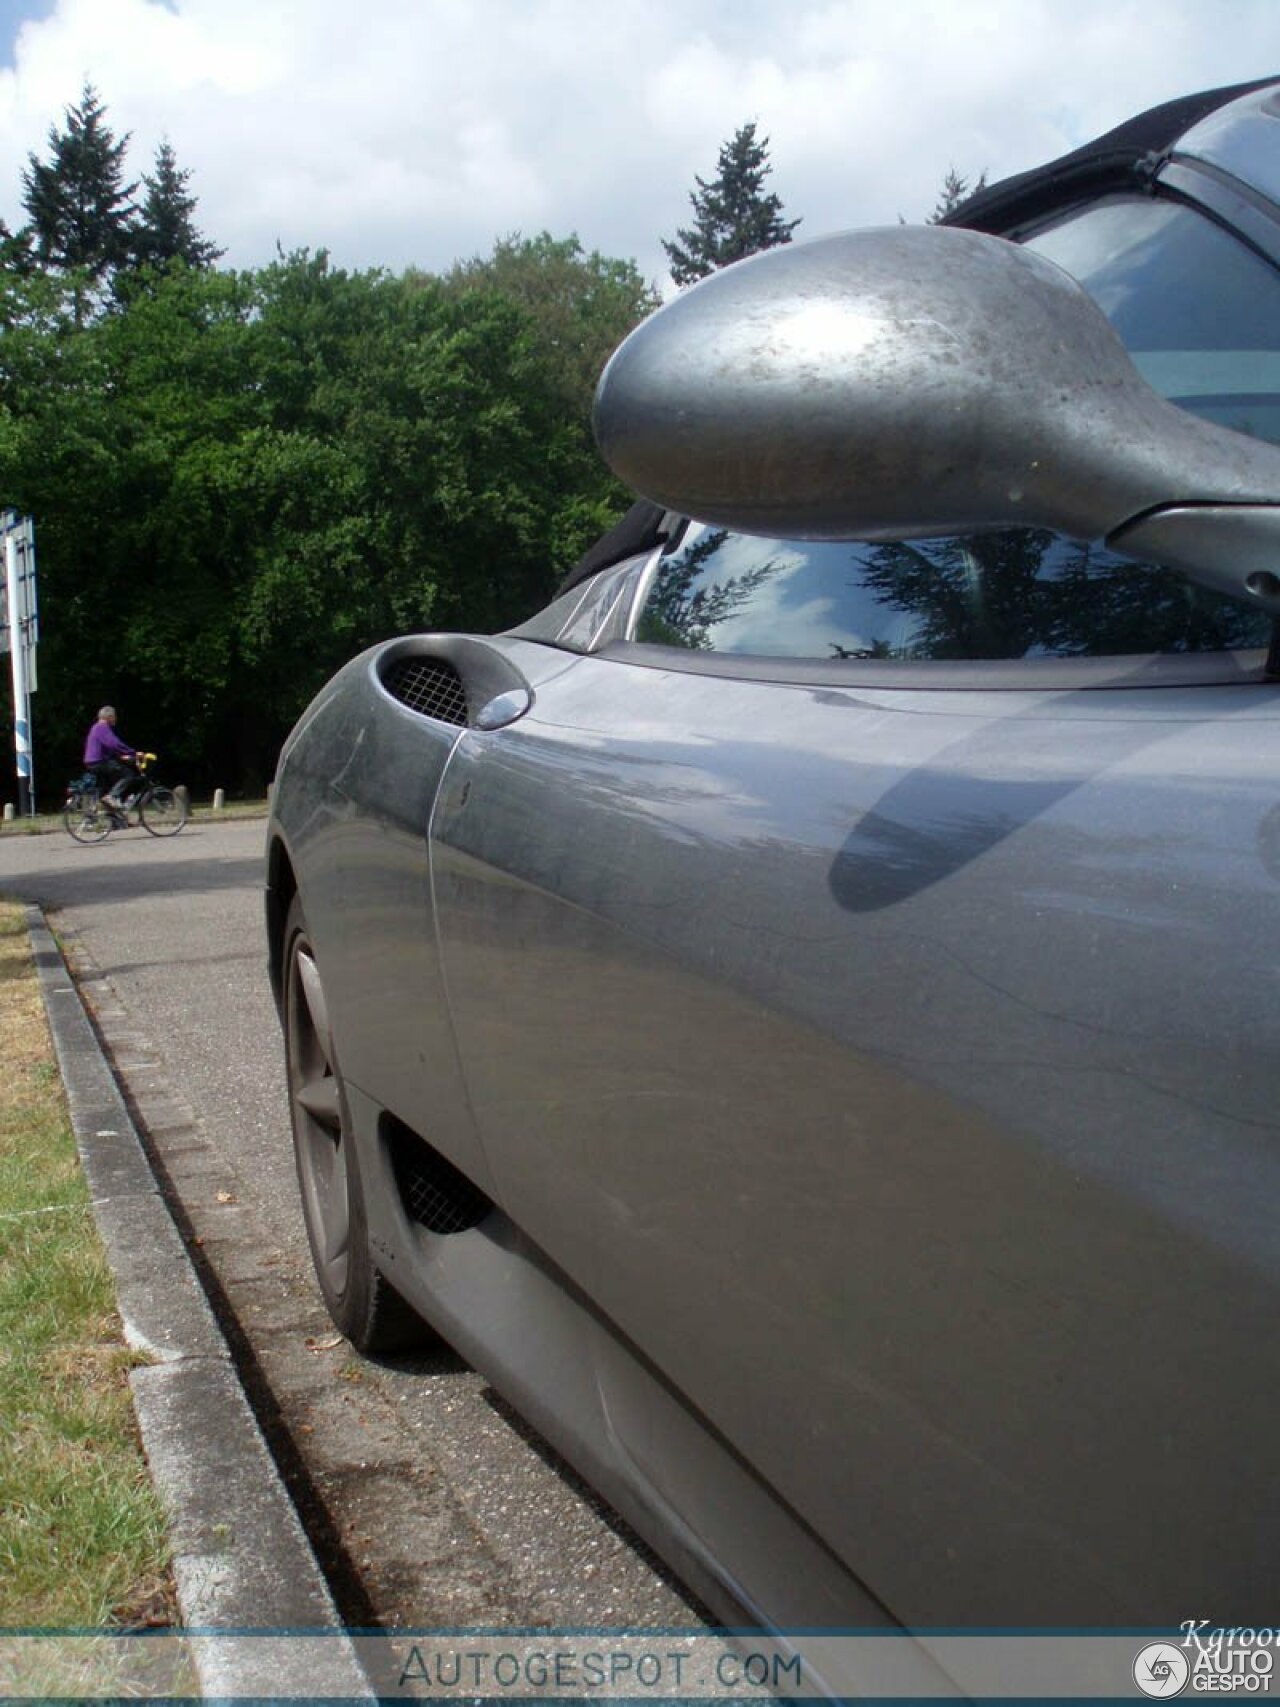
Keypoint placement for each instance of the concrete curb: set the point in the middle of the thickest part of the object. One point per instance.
(241, 1558)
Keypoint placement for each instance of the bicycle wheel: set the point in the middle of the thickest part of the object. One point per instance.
(85, 818)
(162, 812)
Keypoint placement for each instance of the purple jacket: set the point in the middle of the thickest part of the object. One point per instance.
(102, 742)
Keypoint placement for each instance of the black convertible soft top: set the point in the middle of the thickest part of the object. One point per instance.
(1127, 157)
(1124, 158)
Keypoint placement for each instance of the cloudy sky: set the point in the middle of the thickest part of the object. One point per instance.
(413, 132)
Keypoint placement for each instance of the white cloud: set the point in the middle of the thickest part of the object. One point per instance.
(399, 132)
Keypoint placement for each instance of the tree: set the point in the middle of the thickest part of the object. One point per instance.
(955, 189)
(733, 216)
(576, 308)
(582, 305)
(242, 479)
(80, 206)
(166, 231)
(15, 251)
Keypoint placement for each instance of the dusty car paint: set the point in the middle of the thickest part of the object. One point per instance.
(869, 1068)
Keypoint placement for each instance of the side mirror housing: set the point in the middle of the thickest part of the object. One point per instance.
(921, 380)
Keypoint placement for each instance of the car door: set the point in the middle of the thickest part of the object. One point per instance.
(893, 1066)
(861, 974)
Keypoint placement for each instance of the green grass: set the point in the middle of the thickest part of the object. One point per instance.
(82, 1532)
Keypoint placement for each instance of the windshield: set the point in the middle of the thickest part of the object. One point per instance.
(1198, 312)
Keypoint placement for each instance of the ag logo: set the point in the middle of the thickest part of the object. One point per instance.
(1161, 1670)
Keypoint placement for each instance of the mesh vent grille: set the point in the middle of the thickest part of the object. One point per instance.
(433, 1192)
(429, 686)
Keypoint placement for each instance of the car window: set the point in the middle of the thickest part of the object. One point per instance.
(1197, 311)
(1016, 593)
(1200, 315)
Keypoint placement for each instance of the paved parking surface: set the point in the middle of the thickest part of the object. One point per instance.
(430, 1505)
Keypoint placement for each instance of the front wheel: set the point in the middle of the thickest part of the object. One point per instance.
(362, 1304)
(85, 818)
(162, 811)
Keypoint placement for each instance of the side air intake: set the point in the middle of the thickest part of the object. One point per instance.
(434, 1193)
(430, 686)
(463, 680)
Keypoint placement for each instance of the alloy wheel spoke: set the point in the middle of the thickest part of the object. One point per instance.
(318, 1125)
(313, 995)
(333, 1216)
(319, 1097)
(337, 1230)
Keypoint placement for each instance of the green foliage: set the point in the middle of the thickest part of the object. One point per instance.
(84, 224)
(16, 251)
(239, 479)
(82, 1532)
(581, 306)
(575, 308)
(733, 215)
(242, 479)
(78, 202)
(166, 230)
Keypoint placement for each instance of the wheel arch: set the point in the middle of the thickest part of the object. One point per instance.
(282, 886)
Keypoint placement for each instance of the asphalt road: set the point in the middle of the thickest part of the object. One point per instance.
(429, 1503)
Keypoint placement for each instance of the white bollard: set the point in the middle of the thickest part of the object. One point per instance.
(219, 799)
(9, 813)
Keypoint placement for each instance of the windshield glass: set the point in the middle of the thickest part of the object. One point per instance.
(1017, 593)
(1198, 312)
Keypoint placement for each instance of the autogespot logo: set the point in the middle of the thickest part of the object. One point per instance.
(1161, 1670)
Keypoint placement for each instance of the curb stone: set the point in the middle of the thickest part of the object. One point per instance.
(241, 1559)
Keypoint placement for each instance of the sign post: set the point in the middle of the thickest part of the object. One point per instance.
(21, 635)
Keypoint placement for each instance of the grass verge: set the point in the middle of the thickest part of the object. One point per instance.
(82, 1532)
(45, 823)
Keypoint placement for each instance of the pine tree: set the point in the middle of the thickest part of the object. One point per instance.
(955, 189)
(166, 231)
(79, 204)
(15, 251)
(733, 216)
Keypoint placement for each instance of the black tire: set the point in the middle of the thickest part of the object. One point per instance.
(363, 1305)
(85, 818)
(162, 811)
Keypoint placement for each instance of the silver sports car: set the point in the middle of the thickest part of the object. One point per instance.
(801, 1014)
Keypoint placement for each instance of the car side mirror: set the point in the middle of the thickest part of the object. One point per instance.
(921, 380)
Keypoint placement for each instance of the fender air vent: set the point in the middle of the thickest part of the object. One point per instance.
(434, 1193)
(429, 686)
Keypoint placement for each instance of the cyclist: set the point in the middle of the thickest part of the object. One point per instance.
(111, 761)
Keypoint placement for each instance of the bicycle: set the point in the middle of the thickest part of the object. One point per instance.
(90, 817)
